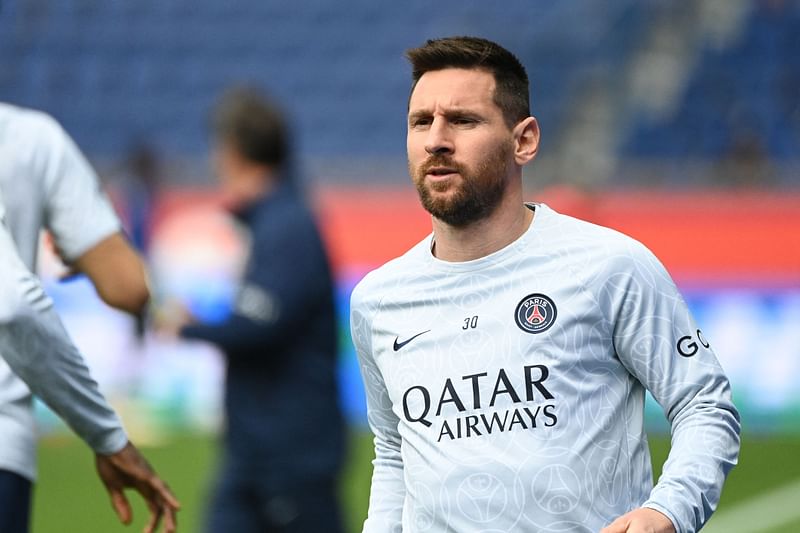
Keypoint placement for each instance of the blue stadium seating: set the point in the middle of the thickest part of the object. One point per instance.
(117, 72)
(751, 89)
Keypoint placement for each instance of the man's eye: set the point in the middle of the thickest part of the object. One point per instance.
(420, 122)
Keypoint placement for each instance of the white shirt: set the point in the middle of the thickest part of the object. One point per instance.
(46, 183)
(507, 393)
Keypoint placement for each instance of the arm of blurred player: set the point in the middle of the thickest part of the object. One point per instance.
(84, 226)
(117, 272)
(39, 350)
(387, 491)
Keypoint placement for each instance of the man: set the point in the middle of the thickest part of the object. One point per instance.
(506, 356)
(284, 434)
(47, 183)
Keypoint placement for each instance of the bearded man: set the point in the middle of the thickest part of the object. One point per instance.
(506, 356)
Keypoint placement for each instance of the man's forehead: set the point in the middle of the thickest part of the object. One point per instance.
(455, 87)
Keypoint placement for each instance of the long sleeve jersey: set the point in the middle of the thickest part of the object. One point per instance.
(507, 393)
(38, 350)
(280, 342)
(46, 183)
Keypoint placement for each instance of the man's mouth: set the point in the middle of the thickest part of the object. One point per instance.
(440, 172)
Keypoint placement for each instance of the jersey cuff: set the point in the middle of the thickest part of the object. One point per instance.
(111, 443)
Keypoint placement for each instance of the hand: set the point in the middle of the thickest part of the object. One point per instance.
(641, 520)
(169, 318)
(128, 469)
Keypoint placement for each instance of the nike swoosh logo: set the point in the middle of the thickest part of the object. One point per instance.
(398, 345)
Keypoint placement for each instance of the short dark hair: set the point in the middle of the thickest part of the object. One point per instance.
(511, 80)
(253, 124)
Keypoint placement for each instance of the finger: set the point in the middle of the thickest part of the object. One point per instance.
(170, 499)
(163, 490)
(121, 505)
(170, 520)
(155, 517)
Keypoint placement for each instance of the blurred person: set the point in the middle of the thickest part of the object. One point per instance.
(506, 356)
(283, 441)
(140, 190)
(46, 182)
(745, 164)
(141, 185)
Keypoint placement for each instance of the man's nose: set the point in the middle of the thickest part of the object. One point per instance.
(439, 140)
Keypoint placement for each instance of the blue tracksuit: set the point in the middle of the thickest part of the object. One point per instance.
(284, 436)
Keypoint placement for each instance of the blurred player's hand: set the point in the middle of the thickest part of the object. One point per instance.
(642, 520)
(128, 469)
(170, 317)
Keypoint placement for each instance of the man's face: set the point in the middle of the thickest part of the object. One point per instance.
(232, 173)
(460, 150)
(226, 163)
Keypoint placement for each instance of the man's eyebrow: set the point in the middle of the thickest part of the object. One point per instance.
(451, 112)
(461, 112)
(420, 113)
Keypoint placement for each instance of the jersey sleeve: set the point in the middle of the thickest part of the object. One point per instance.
(387, 493)
(658, 341)
(39, 350)
(78, 213)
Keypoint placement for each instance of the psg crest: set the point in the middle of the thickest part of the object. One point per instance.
(535, 313)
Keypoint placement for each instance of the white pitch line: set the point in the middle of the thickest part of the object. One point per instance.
(762, 513)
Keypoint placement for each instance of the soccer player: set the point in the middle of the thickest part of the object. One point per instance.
(506, 356)
(37, 348)
(284, 432)
(48, 184)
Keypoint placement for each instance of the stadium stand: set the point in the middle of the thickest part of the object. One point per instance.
(118, 72)
(111, 69)
(751, 89)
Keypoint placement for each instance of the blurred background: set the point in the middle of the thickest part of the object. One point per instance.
(677, 123)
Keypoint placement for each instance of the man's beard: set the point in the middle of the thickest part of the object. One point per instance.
(477, 195)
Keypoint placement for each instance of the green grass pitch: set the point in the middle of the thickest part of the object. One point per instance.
(69, 498)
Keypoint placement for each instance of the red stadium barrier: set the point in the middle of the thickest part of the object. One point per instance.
(708, 236)
(700, 235)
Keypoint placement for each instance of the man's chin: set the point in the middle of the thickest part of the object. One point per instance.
(440, 206)
(442, 199)
(448, 186)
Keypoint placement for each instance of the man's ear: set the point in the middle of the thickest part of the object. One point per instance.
(526, 140)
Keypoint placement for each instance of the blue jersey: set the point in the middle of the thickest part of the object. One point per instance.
(507, 393)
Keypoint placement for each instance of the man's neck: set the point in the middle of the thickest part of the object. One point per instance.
(505, 225)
